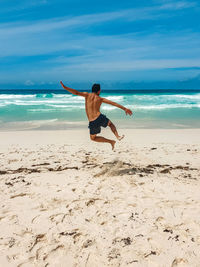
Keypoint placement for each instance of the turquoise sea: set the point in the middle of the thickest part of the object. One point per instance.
(57, 109)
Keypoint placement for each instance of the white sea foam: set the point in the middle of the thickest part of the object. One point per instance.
(115, 98)
(41, 110)
(191, 97)
(56, 107)
(8, 96)
(165, 97)
(154, 107)
(13, 96)
(40, 99)
(61, 95)
(108, 107)
(163, 106)
(68, 106)
(67, 102)
(42, 102)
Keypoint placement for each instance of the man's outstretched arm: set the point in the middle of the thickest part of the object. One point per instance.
(128, 111)
(73, 91)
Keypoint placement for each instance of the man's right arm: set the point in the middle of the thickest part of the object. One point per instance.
(106, 101)
(73, 91)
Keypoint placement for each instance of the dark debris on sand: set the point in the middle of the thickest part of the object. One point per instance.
(122, 168)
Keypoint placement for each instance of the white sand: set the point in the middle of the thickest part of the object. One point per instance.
(68, 201)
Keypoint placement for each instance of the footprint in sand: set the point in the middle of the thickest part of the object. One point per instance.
(114, 253)
(179, 262)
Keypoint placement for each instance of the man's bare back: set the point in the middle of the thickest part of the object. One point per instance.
(97, 120)
(92, 106)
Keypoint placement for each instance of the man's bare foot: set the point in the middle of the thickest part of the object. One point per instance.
(120, 137)
(113, 144)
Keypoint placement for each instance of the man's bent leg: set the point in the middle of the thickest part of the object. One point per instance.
(114, 130)
(101, 139)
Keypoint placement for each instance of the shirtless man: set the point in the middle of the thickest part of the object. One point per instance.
(96, 120)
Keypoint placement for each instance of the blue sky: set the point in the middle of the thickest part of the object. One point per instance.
(111, 42)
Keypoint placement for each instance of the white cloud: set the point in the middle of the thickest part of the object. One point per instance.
(130, 65)
(22, 5)
(178, 5)
(59, 23)
(62, 34)
(29, 83)
(98, 53)
(132, 14)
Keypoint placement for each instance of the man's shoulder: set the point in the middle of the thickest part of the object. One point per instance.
(94, 96)
(85, 94)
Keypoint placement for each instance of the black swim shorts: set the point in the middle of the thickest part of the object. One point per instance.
(95, 126)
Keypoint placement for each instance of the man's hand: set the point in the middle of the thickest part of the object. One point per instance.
(61, 83)
(128, 111)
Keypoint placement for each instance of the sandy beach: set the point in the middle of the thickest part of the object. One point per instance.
(67, 201)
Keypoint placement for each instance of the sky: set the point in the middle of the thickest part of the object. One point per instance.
(120, 44)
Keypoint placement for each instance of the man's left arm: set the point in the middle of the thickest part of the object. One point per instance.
(106, 101)
(73, 91)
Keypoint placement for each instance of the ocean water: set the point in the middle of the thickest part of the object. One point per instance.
(48, 109)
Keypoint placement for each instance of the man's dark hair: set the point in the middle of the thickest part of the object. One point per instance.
(96, 87)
